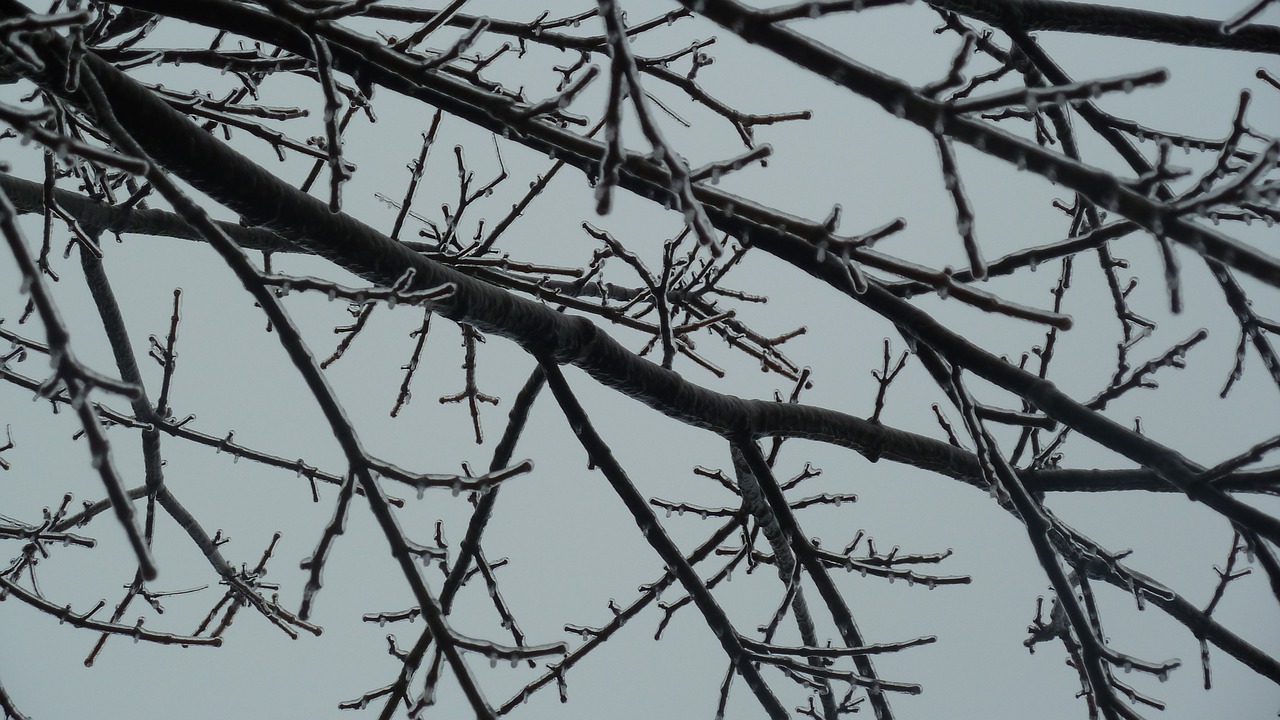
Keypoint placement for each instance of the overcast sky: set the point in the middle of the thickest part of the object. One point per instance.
(570, 543)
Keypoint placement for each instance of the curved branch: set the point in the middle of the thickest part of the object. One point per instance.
(82, 620)
(1090, 19)
(263, 199)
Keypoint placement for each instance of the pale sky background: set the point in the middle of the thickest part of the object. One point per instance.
(570, 543)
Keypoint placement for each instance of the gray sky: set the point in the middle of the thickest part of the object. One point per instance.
(570, 543)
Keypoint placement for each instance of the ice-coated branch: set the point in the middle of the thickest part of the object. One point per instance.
(602, 457)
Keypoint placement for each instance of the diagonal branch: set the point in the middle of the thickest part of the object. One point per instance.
(602, 457)
(99, 103)
(263, 199)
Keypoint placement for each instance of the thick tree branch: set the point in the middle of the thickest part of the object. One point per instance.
(263, 199)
